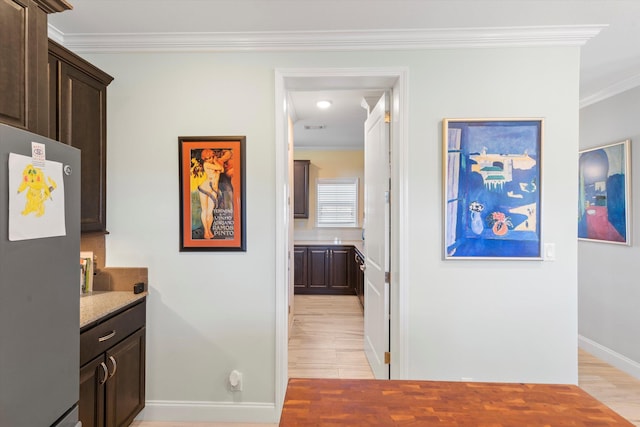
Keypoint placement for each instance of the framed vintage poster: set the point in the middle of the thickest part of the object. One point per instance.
(492, 181)
(604, 194)
(212, 192)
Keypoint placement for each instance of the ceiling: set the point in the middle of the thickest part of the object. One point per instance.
(610, 54)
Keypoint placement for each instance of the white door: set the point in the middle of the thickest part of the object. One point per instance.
(376, 243)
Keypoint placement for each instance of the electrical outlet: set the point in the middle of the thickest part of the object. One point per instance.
(235, 380)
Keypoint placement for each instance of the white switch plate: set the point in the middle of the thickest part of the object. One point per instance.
(550, 251)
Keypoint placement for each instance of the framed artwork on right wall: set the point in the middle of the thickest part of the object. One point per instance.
(492, 188)
(604, 210)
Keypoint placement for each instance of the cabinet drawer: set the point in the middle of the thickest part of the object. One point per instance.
(108, 333)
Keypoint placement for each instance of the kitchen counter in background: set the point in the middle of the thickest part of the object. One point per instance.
(97, 305)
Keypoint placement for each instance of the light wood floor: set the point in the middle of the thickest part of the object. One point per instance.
(611, 386)
(326, 342)
(327, 338)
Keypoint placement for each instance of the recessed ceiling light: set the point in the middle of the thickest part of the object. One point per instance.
(323, 104)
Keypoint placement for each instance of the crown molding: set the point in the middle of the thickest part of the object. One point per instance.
(445, 38)
(611, 90)
(55, 34)
(54, 6)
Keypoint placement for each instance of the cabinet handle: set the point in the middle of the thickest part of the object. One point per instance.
(106, 373)
(106, 337)
(115, 366)
(362, 267)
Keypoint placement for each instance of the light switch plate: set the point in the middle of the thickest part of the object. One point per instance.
(550, 251)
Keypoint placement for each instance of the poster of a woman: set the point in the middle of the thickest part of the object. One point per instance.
(212, 193)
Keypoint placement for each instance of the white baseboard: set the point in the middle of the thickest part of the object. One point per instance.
(621, 362)
(196, 411)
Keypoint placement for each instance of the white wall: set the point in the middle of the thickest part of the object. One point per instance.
(330, 164)
(494, 320)
(212, 312)
(609, 295)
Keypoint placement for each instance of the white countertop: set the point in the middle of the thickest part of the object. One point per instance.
(95, 305)
(358, 244)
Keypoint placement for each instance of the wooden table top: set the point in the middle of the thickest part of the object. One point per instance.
(363, 403)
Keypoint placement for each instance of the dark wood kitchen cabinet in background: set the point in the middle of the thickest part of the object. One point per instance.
(358, 275)
(112, 369)
(323, 270)
(301, 188)
(300, 271)
(78, 117)
(23, 55)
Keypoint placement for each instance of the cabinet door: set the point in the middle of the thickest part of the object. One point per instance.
(341, 268)
(91, 405)
(23, 54)
(125, 390)
(81, 120)
(300, 273)
(77, 116)
(318, 268)
(54, 74)
(301, 188)
(358, 277)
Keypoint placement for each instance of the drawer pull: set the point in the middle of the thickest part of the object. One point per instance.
(106, 373)
(106, 337)
(115, 366)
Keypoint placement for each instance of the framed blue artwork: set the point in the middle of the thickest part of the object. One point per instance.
(492, 181)
(604, 194)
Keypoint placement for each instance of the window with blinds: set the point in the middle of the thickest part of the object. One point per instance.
(337, 202)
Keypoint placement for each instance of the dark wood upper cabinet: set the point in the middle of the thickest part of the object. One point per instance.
(78, 116)
(23, 53)
(301, 188)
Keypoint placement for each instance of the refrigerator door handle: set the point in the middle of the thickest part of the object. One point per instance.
(106, 373)
(106, 337)
(115, 366)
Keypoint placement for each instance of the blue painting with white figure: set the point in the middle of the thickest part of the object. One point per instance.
(602, 210)
(493, 189)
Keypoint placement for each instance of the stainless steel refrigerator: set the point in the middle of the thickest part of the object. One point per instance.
(39, 281)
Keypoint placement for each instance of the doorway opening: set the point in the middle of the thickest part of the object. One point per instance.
(326, 321)
(394, 81)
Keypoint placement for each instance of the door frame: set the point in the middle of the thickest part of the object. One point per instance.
(394, 79)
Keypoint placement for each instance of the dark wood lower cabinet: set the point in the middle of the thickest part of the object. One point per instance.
(323, 270)
(92, 388)
(318, 269)
(358, 275)
(341, 267)
(112, 384)
(125, 390)
(300, 273)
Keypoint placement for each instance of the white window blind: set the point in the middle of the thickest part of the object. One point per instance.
(337, 202)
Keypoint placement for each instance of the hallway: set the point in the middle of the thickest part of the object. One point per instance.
(327, 338)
